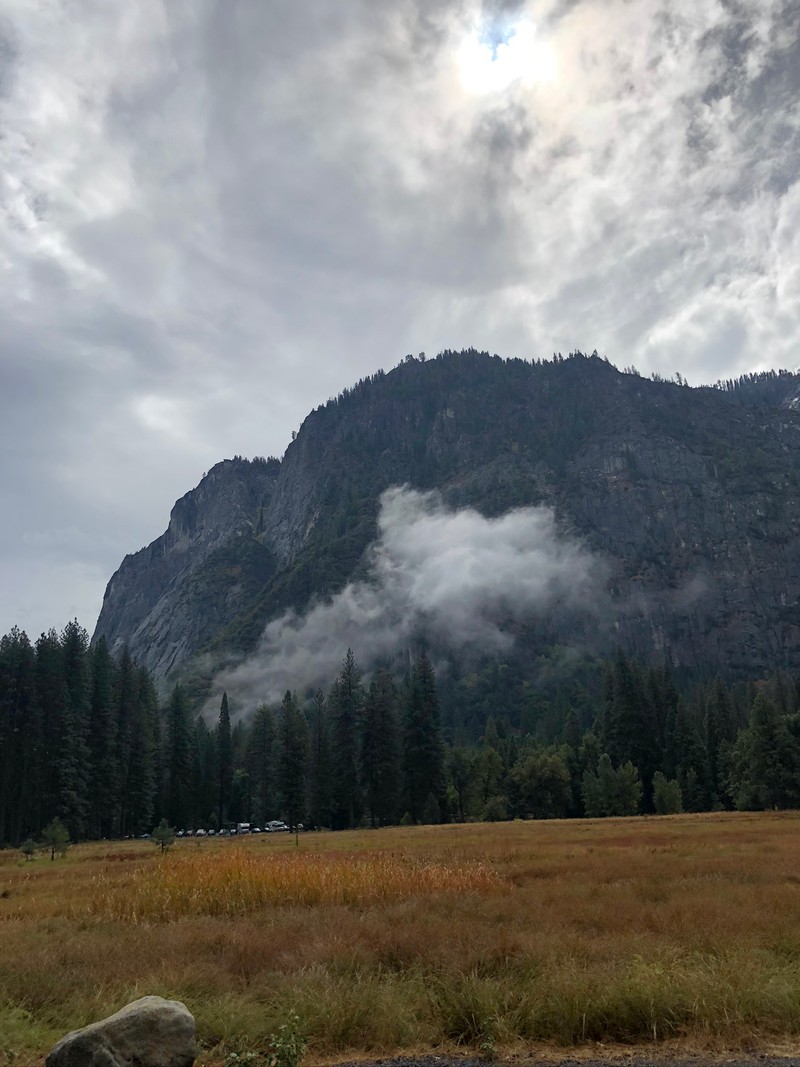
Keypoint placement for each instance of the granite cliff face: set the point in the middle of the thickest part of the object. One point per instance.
(691, 496)
(170, 599)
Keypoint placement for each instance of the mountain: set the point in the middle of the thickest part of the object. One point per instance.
(689, 495)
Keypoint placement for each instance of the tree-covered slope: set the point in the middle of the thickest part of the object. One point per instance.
(689, 495)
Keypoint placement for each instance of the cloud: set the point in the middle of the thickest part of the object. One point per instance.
(458, 578)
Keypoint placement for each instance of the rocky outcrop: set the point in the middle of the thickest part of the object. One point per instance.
(690, 495)
(169, 599)
(150, 1032)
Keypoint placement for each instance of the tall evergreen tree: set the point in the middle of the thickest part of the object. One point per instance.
(684, 757)
(320, 790)
(629, 727)
(143, 766)
(423, 747)
(224, 759)
(17, 743)
(204, 782)
(607, 791)
(346, 702)
(380, 751)
(73, 762)
(765, 762)
(178, 759)
(104, 779)
(718, 733)
(125, 697)
(292, 759)
(260, 764)
(49, 710)
(462, 769)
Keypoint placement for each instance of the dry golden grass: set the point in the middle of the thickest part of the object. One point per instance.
(677, 932)
(239, 882)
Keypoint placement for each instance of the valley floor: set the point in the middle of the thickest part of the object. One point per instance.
(590, 940)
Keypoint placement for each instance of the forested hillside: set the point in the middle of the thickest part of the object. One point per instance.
(649, 665)
(687, 496)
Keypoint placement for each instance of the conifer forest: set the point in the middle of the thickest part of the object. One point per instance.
(85, 739)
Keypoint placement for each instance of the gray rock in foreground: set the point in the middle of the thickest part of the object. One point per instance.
(151, 1032)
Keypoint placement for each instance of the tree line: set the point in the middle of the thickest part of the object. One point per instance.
(84, 739)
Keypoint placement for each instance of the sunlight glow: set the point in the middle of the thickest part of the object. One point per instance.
(518, 57)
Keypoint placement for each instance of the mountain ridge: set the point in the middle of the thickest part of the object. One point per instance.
(686, 491)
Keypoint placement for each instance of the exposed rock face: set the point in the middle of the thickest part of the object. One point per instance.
(151, 1032)
(691, 495)
(167, 600)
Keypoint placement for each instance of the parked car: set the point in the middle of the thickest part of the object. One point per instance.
(199, 833)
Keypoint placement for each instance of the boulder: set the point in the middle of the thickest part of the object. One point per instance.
(151, 1032)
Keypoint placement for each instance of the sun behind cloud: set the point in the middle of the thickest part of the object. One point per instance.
(492, 59)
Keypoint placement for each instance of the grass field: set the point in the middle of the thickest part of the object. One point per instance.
(679, 932)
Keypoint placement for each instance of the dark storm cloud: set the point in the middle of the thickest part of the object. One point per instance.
(214, 215)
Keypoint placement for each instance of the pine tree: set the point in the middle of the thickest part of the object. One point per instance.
(143, 769)
(765, 761)
(380, 751)
(667, 795)
(178, 759)
(260, 764)
(319, 768)
(462, 768)
(423, 747)
(346, 702)
(224, 759)
(125, 713)
(55, 838)
(685, 757)
(629, 790)
(163, 836)
(203, 778)
(718, 733)
(17, 743)
(292, 759)
(49, 681)
(610, 791)
(73, 758)
(241, 805)
(104, 776)
(571, 733)
(629, 728)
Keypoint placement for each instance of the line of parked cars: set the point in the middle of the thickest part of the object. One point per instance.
(276, 826)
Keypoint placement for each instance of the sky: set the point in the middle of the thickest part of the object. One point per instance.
(216, 214)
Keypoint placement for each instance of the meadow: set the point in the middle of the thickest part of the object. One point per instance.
(675, 933)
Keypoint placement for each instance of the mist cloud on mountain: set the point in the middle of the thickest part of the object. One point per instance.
(453, 576)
